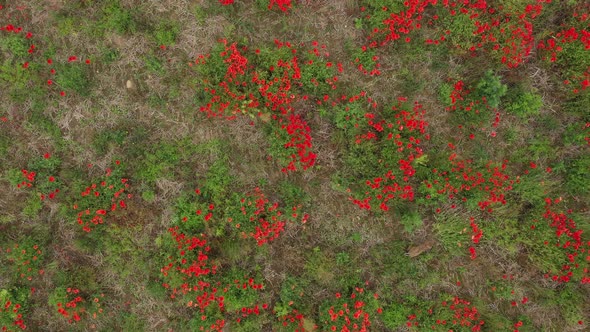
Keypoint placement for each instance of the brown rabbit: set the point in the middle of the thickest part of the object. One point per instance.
(414, 251)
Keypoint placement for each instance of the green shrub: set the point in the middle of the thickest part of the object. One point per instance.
(358, 157)
(14, 176)
(522, 103)
(491, 87)
(119, 245)
(234, 249)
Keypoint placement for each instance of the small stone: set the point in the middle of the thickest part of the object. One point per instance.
(130, 84)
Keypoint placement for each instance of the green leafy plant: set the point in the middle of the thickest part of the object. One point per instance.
(75, 305)
(444, 92)
(354, 310)
(411, 221)
(24, 259)
(117, 18)
(218, 181)
(292, 194)
(104, 196)
(11, 315)
(395, 315)
(154, 64)
(106, 139)
(491, 88)
(577, 175)
(453, 235)
(74, 77)
(166, 33)
(523, 103)
(16, 80)
(15, 45)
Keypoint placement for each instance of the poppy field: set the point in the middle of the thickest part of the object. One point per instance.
(295, 165)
